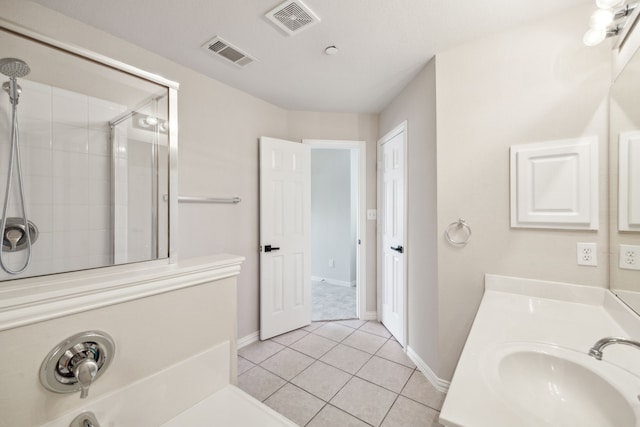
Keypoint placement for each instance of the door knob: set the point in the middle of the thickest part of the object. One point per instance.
(269, 248)
(398, 249)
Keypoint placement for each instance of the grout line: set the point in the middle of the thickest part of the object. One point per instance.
(420, 403)
(411, 398)
(276, 390)
(407, 381)
(316, 414)
(389, 410)
(341, 410)
(381, 386)
(351, 376)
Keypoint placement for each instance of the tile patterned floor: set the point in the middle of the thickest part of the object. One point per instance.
(332, 302)
(347, 373)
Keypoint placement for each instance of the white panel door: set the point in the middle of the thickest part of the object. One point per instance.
(393, 203)
(285, 215)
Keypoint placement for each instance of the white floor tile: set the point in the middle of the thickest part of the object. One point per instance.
(385, 373)
(407, 413)
(295, 404)
(364, 400)
(260, 383)
(287, 363)
(330, 416)
(322, 380)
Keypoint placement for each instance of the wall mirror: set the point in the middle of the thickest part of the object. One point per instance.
(624, 187)
(85, 146)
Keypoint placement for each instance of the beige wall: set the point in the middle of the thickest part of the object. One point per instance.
(218, 149)
(535, 83)
(530, 84)
(149, 334)
(416, 105)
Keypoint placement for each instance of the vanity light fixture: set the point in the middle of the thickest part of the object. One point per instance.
(604, 21)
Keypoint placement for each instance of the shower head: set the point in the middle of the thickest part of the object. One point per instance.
(14, 67)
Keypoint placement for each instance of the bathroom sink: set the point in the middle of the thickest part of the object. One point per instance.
(555, 386)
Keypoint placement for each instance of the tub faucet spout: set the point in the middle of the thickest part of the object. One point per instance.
(85, 419)
(596, 350)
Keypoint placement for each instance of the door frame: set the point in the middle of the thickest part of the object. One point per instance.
(401, 128)
(361, 249)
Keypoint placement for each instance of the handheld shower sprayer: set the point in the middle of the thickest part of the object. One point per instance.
(14, 68)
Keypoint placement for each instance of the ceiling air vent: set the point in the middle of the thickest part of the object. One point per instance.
(225, 50)
(292, 17)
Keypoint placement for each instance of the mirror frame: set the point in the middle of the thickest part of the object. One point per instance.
(627, 46)
(172, 88)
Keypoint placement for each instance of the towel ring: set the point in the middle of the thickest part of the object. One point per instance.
(459, 224)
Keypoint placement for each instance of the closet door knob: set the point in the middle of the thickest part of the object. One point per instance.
(398, 249)
(269, 248)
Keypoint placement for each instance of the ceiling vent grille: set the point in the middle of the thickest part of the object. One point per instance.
(223, 49)
(292, 17)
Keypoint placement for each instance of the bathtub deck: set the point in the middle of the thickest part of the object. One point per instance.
(230, 407)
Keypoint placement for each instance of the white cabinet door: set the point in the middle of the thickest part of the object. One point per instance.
(285, 203)
(393, 287)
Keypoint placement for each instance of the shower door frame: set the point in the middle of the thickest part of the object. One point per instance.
(172, 88)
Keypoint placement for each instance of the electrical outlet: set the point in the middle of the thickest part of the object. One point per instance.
(587, 254)
(630, 257)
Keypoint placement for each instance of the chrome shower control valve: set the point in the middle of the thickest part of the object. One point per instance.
(77, 362)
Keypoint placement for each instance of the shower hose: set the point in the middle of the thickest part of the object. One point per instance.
(14, 161)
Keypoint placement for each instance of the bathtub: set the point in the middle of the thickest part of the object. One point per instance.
(193, 392)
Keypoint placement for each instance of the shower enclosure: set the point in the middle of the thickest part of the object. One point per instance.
(93, 148)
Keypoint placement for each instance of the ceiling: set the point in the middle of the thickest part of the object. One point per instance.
(383, 43)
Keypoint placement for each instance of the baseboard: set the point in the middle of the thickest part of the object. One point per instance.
(246, 340)
(369, 315)
(438, 383)
(333, 281)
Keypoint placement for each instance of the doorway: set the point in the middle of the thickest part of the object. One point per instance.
(337, 243)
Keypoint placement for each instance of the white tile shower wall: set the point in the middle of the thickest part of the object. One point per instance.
(140, 207)
(65, 149)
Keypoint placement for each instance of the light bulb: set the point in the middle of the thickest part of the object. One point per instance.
(601, 19)
(151, 121)
(594, 36)
(609, 4)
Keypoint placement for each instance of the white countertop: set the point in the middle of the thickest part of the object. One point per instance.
(519, 310)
